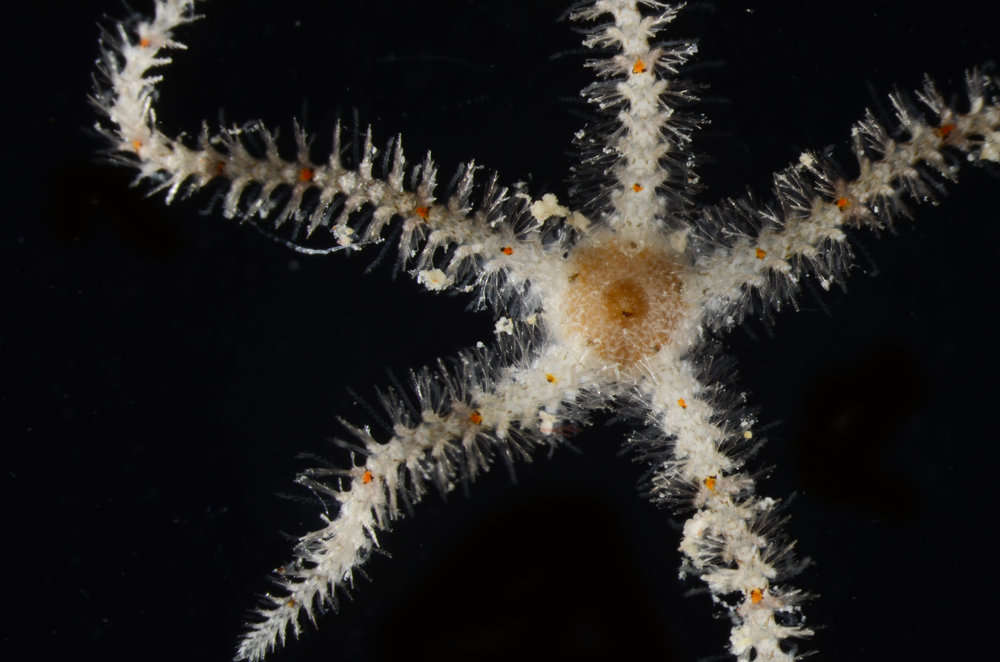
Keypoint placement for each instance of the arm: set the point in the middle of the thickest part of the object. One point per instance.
(637, 161)
(457, 242)
(767, 251)
(446, 432)
(700, 440)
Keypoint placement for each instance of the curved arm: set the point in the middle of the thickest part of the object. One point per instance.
(446, 242)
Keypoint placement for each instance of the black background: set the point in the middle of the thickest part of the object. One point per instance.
(163, 369)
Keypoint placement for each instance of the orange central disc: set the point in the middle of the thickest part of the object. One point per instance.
(623, 300)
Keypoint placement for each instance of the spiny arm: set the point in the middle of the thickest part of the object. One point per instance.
(445, 432)
(696, 453)
(804, 233)
(640, 160)
(459, 242)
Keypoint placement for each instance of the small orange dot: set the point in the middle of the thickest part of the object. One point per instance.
(550, 378)
(306, 174)
(367, 477)
(476, 418)
(637, 187)
(422, 212)
(136, 145)
(507, 250)
(756, 595)
(944, 130)
(682, 404)
(710, 483)
(639, 66)
(291, 602)
(842, 203)
(761, 253)
(145, 42)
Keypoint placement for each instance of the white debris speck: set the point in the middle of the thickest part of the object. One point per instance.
(344, 234)
(504, 325)
(548, 206)
(547, 422)
(678, 240)
(578, 221)
(433, 279)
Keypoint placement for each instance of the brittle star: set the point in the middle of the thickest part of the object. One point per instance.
(611, 299)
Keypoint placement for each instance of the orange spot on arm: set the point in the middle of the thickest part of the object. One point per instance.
(756, 595)
(475, 418)
(422, 212)
(682, 403)
(710, 483)
(761, 253)
(507, 250)
(367, 477)
(306, 174)
(944, 130)
(639, 66)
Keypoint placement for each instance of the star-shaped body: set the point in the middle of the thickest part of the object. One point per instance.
(608, 299)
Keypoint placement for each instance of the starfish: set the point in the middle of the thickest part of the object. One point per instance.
(612, 299)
